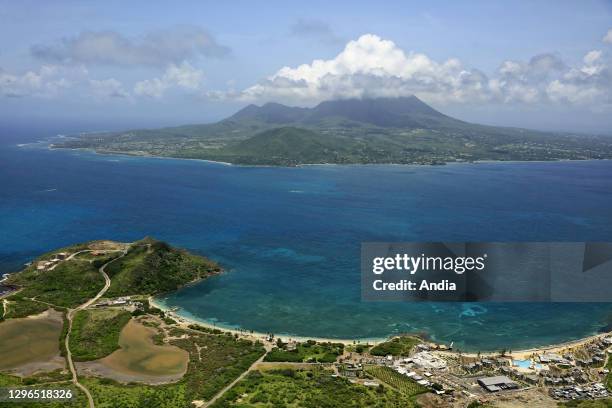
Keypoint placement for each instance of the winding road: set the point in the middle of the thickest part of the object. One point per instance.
(70, 316)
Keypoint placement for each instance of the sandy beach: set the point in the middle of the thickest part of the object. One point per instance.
(516, 354)
(253, 335)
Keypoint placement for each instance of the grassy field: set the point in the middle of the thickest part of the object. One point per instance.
(308, 352)
(400, 382)
(109, 394)
(398, 346)
(314, 388)
(70, 284)
(21, 307)
(26, 341)
(78, 401)
(215, 361)
(95, 333)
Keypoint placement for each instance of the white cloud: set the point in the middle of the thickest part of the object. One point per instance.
(592, 57)
(157, 48)
(608, 37)
(108, 88)
(48, 81)
(373, 67)
(153, 88)
(369, 66)
(183, 76)
(590, 83)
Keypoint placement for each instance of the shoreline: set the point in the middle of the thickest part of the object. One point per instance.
(450, 163)
(254, 335)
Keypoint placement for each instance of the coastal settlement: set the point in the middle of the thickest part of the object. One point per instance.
(92, 316)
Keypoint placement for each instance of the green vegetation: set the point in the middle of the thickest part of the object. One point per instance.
(382, 130)
(288, 146)
(69, 284)
(400, 382)
(152, 267)
(215, 358)
(314, 388)
(57, 381)
(222, 359)
(477, 404)
(398, 346)
(110, 394)
(308, 352)
(18, 307)
(95, 333)
(214, 362)
(358, 347)
(48, 377)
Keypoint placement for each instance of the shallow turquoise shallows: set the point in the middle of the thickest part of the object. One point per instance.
(289, 238)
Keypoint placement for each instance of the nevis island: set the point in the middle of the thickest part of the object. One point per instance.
(401, 130)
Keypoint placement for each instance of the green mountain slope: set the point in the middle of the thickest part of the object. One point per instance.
(149, 267)
(152, 267)
(287, 146)
(380, 130)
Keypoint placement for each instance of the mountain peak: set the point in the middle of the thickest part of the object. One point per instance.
(270, 112)
(406, 111)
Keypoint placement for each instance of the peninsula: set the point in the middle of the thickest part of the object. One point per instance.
(81, 319)
(401, 130)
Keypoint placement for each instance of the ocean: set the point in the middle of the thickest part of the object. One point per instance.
(289, 238)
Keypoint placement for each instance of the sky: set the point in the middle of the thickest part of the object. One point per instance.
(535, 64)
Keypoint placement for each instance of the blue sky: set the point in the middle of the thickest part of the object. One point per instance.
(539, 64)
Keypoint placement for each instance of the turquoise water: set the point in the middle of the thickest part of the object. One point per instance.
(526, 364)
(289, 238)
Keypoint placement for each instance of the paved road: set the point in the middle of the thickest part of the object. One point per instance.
(70, 316)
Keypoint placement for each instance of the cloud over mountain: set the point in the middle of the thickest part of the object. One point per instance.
(158, 48)
(374, 67)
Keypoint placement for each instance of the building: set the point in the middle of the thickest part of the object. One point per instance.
(549, 358)
(428, 360)
(487, 362)
(497, 383)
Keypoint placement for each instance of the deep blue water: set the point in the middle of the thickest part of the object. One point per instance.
(289, 238)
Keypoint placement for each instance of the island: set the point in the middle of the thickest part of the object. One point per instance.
(84, 319)
(401, 130)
